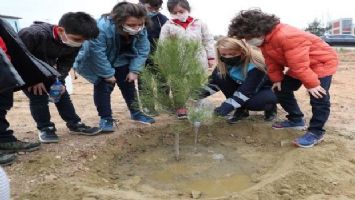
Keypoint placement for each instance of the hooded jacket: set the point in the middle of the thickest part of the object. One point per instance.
(98, 58)
(42, 40)
(306, 56)
(197, 31)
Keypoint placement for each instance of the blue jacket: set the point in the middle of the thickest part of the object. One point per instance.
(97, 57)
(248, 85)
(236, 73)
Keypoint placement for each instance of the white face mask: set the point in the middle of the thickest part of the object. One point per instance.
(256, 41)
(132, 31)
(181, 17)
(69, 42)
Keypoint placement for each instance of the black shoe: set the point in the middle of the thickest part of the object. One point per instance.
(239, 114)
(19, 146)
(7, 159)
(47, 135)
(81, 129)
(270, 115)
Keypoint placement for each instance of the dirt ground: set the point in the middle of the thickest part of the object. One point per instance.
(137, 161)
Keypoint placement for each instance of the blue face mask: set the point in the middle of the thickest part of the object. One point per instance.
(152, 14)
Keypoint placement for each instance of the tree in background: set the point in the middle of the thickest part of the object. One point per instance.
(318, 28)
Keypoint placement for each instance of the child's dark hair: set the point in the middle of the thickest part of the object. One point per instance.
(123, 10)
(152, 3)
(252, 23)
(171, 4)
(79, 23)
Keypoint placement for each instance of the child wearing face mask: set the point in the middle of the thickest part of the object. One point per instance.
(116, 56)
(156, 18)
(57, 45)
(308, 59)
(182, 24)
(241, 76)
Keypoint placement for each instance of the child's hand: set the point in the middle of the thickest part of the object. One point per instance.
(38, 89)
(131, 77)
(111, 80)
(211, 63)
(317, 92)
(62, 90)
(277, 86)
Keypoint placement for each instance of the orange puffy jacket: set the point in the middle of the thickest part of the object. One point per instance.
(306, 56)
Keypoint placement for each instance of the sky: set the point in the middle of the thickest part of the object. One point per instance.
(215, 13)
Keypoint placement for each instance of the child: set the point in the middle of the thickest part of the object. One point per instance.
(241, 76)
(116, 57)
(157, 20)
(183, 25)
(309, 60)
(18, 68)
(58, 46)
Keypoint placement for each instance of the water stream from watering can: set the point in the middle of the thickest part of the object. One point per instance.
(196, 129)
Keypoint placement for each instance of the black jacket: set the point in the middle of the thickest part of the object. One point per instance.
(154, 29)
(45, 45)
(24, 69)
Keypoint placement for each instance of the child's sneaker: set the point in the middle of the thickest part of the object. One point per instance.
(181, 113)
(142, 118)
(18, 146)
(238, 115)
(7, 159)
(81, 129)
(301, 125)
(308, 140)
(47, 135)
(106, 125)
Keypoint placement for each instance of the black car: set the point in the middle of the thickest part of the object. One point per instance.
(339, 40)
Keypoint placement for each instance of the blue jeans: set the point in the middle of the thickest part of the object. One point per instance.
(40, 110)
(103, 90)
(320, 107)
(6, 103)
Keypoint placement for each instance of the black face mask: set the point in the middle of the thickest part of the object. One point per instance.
(232, 61)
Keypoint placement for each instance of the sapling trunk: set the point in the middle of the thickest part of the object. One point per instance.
(177, 145)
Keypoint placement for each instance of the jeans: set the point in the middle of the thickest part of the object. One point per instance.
(6, 102)
(103, 90)
(40, 110)
(320, 107)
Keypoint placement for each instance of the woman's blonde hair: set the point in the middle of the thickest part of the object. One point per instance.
(249, 55)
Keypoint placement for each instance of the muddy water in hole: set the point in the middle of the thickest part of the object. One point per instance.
(214, 171)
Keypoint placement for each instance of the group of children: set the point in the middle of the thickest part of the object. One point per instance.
(115, 48)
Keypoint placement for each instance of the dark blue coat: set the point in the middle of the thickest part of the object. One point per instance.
(154, 29)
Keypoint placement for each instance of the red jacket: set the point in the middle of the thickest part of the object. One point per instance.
(306, 56)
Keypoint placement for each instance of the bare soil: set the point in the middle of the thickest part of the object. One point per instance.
(248, 160)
